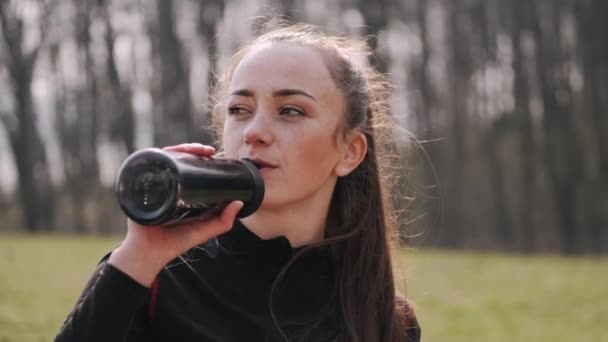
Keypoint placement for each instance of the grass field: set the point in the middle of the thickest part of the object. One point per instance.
(459, 296)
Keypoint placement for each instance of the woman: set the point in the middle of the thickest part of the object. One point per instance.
(312, 263)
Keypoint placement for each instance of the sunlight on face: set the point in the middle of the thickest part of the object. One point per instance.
(283, 109)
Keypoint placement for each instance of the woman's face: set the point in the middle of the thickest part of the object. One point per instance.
(283, 111)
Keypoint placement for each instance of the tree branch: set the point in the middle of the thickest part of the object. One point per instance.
(6, 34)
(9, 123)
(48, 7)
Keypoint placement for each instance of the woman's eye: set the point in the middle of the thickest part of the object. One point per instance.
(291, 111)
(236, 110)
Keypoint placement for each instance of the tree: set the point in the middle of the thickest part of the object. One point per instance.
(375, 14)
(35, 188)
(561, 148)
(460, 69)
(483, 15)
(427, 99)
(592, 37)
(121, 117)
(78, 124)
(171, 90)
(518, 26)
(209, 13)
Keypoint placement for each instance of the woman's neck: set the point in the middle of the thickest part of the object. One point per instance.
(302, 223)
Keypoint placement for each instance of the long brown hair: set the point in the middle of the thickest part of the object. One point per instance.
(360, 223)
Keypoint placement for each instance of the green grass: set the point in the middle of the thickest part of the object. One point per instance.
(492, 297)
(40, 280)
(459, 296)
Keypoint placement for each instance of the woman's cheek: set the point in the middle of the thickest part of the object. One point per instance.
(230, 141)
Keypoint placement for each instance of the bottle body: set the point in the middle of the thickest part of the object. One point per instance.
(158, 187)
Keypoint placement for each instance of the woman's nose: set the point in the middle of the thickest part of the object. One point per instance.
(258, 130)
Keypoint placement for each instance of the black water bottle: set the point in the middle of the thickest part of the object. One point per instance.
(158, 187)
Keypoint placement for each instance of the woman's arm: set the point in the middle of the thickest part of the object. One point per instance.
(112, 307)
(407, 319)
(112, 304)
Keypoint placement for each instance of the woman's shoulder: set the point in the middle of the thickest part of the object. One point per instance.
(407, 318)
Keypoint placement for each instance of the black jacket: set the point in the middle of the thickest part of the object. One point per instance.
(219, 291)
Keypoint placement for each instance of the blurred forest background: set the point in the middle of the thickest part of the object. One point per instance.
(505, 98)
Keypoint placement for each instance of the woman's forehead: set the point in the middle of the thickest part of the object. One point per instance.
(281, 65)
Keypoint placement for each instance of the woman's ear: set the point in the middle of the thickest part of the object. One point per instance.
(352, 153)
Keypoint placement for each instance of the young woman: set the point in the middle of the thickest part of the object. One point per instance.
(313, 262)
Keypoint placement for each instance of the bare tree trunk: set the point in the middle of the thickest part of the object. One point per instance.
(501, 217)
(172, 114)
(122, 122)
(426, 98)
(78, 136)
(209, 13)
(484, 21)
(561, 146)
(375, 14)
(460, 69)
(35, 189)
(592, 28)
(520, 14)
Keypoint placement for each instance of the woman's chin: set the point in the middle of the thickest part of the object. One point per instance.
(270, 202)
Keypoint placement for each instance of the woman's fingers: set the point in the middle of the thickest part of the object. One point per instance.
(201, 231)
(221, 223)
(193, 148)
(166, 243)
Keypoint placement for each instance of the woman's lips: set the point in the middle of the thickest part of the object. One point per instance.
(266, 169)
(263, 165)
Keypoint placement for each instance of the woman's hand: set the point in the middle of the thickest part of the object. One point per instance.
(147, 249)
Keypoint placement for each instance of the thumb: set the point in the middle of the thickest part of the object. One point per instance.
(229, 213)
(220, 224)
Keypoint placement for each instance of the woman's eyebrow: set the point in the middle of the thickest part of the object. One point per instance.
(276, 93)
(242, 92)
(289, 92)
